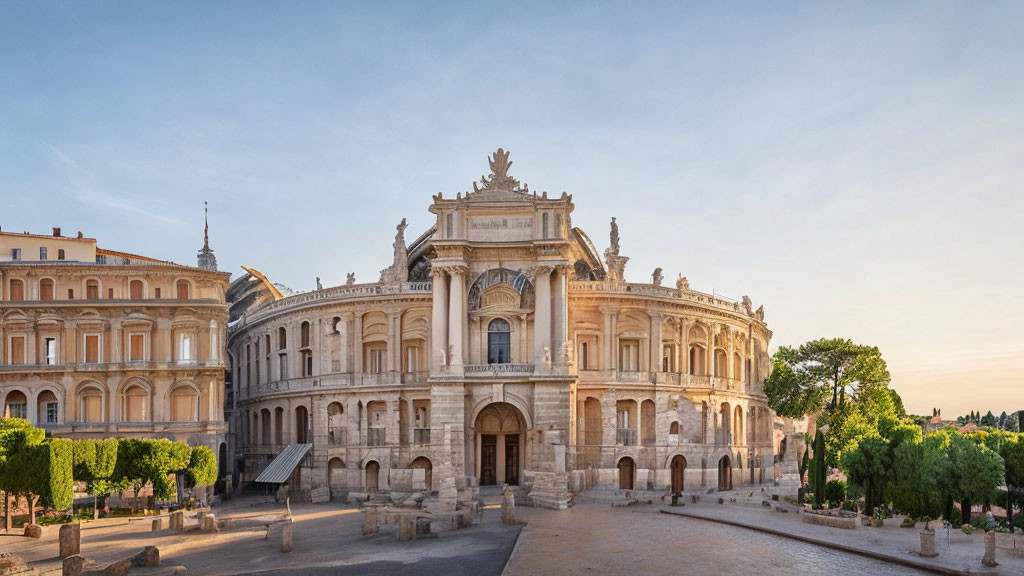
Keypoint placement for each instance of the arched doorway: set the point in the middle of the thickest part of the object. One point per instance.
(422, 463)
(678, 473)
(222, 460)
(725, 474)
(500, 432)
(372, 475)
(336, 476)
(627, 471)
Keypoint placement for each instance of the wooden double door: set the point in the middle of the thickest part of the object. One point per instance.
(490, 467)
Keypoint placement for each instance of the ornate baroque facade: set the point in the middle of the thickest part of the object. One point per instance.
(499, 348)
(96, 343)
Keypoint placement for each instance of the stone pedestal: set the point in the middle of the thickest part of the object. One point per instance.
(286, 536)
(178, 520)
(989, 559)
(508, 507)
(72, 565)
(928, 544)
(370, 522)
(208, 523)
(158, 524)
(406, 529)
(70, 539)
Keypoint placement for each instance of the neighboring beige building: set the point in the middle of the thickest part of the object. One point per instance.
(499, 348)
(97, 343)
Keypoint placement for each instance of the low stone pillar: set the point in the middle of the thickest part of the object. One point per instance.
(989, 559)
(928, 544)
(370, 523)
(209, 523)
(72, 565)
(178, 520)
(150, 556)
(508, 507)
(158, 524)
(33, 531)
(286, 536)
(406, 529)
(70, 539)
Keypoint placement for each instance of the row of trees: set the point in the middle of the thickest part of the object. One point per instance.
(867, 434)
(43, 470)
(1013, 422)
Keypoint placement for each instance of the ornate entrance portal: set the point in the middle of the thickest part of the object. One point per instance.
(500, 431)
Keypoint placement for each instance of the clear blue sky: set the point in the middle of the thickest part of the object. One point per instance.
(855, 167)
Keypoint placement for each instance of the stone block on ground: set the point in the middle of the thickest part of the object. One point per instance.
(70, 540)
(158, 524)
(508, 507)
(286, 536)
(72, 565)
(370, 521)
(33, 531)
(928, 544)
(12, 564)
(320, 495)
(208, 523)
(989, 559)
(178, 520)
(150, 556)
(406, 529)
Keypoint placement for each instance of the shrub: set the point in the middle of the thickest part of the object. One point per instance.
(966, 528)
(955, 519)
(835, 492)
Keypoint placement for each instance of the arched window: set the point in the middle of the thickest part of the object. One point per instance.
(92, 290)
(304, 335)
(17, 291)
(182, 287)
(135, 290)
(46, 289)
(90, 404)
(282, 338)
(184, 404)
(16, 405)
(135, 403)
(498, 342)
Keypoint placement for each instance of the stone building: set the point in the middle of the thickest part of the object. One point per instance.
(498, 348)
(97, 343)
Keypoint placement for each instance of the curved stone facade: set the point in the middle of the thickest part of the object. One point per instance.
(499, 348)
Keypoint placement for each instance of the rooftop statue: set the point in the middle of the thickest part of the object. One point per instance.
(351, 279)
(616, 263)
(399, 269)
(682, 283)
(657, 277)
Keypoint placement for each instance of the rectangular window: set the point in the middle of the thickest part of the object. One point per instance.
(17, 290)
(307, 363)
(42, 252)
(110, 293)
(17, 410)
(46, 290)
(282, 362)
(71, 293)
(449, 226)
(60, 254)
(51, 412)
(185, 348)
(17, 350)
(92, 291)
(182, 290)
(584, 356)
(136, 343)
(375, 362)
(50, 348)
(15, 253)
(629, 354)
(156, 292)
(412, 359)
(92, 348)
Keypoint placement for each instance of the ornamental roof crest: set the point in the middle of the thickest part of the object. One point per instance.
(499, 179)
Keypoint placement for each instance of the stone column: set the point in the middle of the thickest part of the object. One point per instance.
(607, 336)
(730, 369)
(542, 317)
(439, 321)
(656, 343)
(457, 317)
(115, 341)
(709, 358)
(560, 316)
(343, 327)
(395, 341)
(357, 345)
(214, 354)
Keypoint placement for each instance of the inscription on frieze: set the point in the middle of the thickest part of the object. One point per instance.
(500, 228)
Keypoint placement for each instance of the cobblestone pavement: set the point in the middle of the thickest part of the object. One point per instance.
(594, 538)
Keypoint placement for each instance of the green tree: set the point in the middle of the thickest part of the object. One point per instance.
(94, 462)
(976, 472)
(202, 467)
(141, 462)
(1013, 462)
(988, 419)
(867, 466)
(818, 470)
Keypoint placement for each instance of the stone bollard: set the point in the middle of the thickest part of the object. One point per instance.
(989, 559)
(158, 524)
(370, 523)
(72, 565)
(406, 529)
(286, 536)
(508, 507)
(70, 539)
(928, 544)
(33, 530)
(209, 523)
(178, 520)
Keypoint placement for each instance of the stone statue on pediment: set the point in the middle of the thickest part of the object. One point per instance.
(616, 263)
(747, 305)
(350, 279)
(399, 269)
(319, 286)
(657, 277)
(759, 313)
(682, 283)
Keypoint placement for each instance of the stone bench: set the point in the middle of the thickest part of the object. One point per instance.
(76, 565)
(1010, 543)
(830, 521)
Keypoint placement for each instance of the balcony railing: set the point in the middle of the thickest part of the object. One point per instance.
(421, 435)
(498, 370)
(625, 436)
(375, 437)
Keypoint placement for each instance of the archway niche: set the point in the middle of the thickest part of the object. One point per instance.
(500, 434)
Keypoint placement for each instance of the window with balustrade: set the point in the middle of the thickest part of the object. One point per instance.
(499, 342)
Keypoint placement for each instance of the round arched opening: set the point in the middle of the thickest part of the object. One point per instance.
(725, 474)
(422, 480)
(627, 472)
(372, 476)
(678, 473)
(500, 431)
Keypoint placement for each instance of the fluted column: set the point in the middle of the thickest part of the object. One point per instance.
(542, 317)
(655, 343)
(560, 315)
(457, 317)
(439, 320)
(730, 369)
(343, 325)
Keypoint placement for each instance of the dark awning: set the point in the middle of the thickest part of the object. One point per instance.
(282, 466)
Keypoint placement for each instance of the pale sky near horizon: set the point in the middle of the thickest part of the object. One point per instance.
(855, 167)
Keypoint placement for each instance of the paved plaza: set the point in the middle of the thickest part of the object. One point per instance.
(592, 537)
